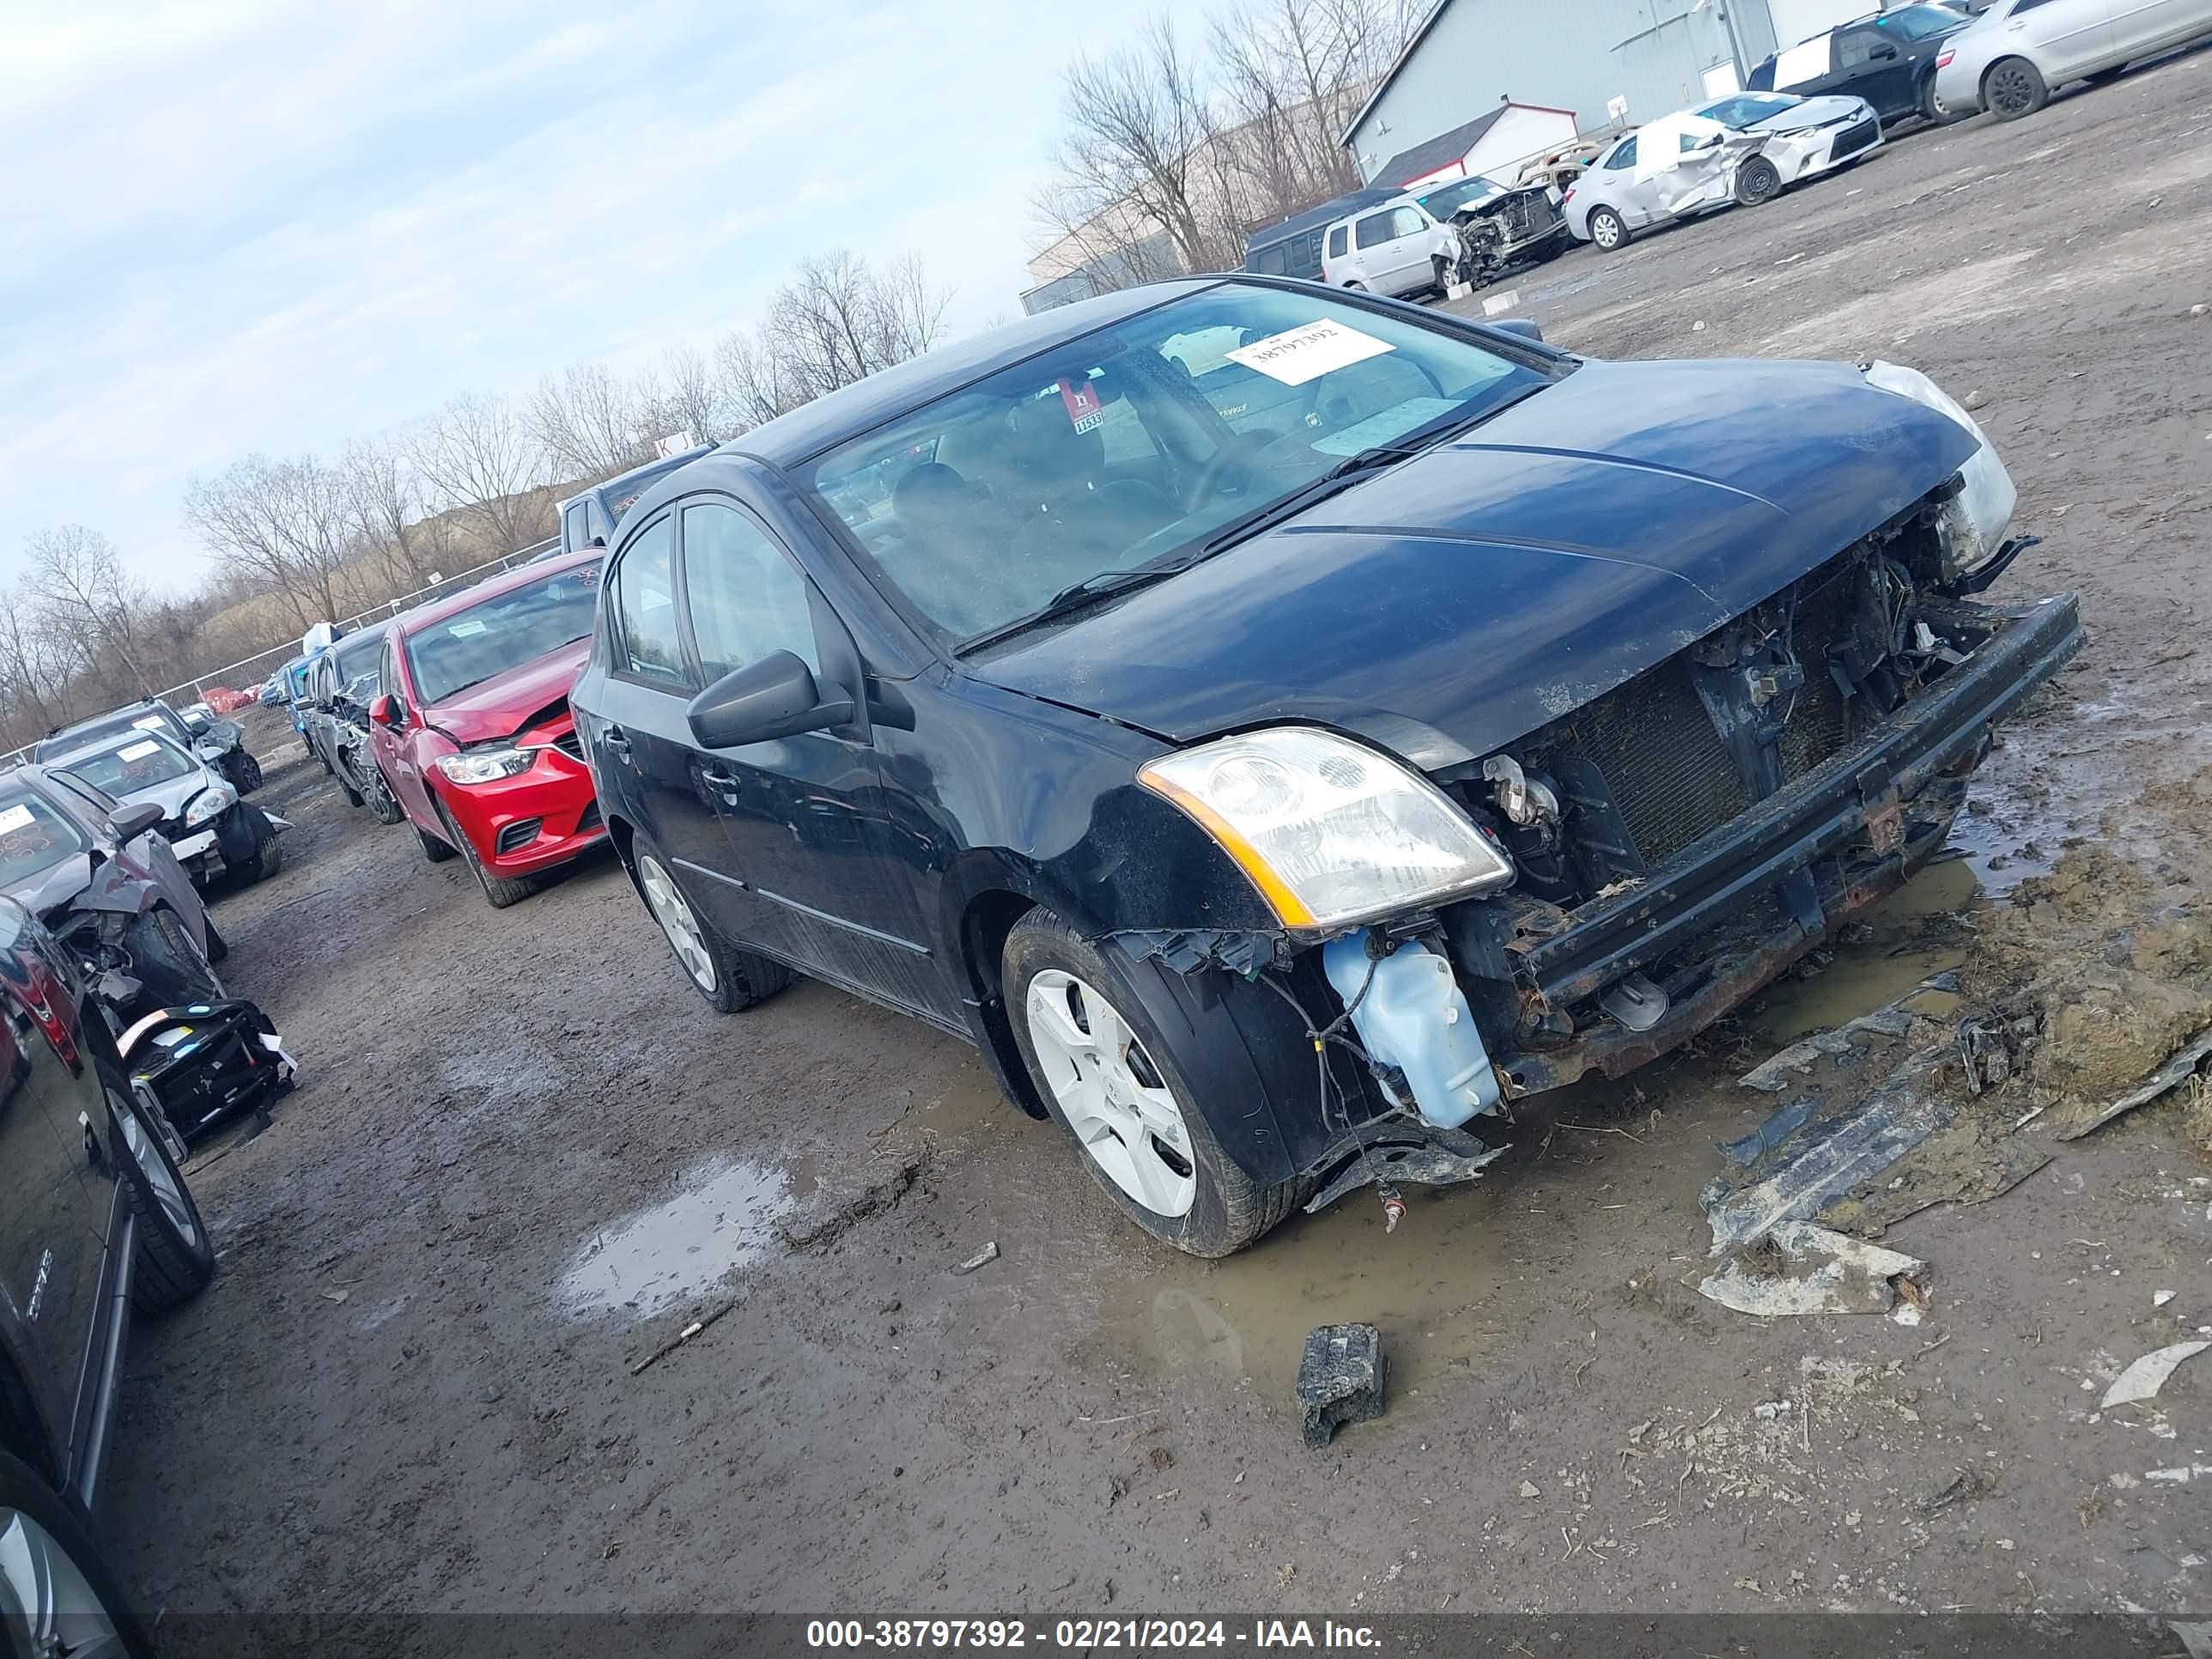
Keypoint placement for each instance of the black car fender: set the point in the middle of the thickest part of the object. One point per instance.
(116, 891)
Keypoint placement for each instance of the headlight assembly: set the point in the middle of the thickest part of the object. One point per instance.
(1983, 509)
(1330, 832)
(211, 802)
(485, 765)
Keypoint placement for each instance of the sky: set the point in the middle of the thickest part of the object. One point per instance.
(249, 225)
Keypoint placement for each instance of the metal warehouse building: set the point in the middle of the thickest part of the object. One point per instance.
(1580, 55)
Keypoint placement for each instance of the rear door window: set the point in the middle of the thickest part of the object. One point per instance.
(648, 641)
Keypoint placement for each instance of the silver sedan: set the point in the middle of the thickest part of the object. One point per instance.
(2009, 58)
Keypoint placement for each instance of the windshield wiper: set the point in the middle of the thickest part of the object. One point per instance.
(1076, 597)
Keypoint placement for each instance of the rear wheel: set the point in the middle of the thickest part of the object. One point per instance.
(382, 802)
(1113, 1080)
(1758, 180)
(1607, 230)
(57, 1594)
(499, 892)
(729, 978)
(174, 1261)
(2014, 88)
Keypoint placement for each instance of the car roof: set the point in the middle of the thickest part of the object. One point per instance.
(60, 761)
(846, 413)
(523, 575)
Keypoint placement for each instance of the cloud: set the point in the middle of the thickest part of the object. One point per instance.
(264, 226)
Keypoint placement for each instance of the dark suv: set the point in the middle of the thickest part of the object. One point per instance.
(98, 1220)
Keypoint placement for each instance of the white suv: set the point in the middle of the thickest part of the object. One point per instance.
(1394, 248)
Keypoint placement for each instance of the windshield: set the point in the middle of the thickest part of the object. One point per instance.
(503, 632)
(142, 761)
(1130, 446)
(33, 836)
(1744, 109)
(355, 657)
(1460, 192)
(1919, 22)
(621, 495)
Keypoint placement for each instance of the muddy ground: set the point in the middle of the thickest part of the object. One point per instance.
(525, 1155)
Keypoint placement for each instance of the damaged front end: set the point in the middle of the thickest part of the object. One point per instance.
(1668, 848)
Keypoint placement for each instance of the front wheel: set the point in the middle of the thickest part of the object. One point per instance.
(2014, 88)
(175, 1260)
(499, 892)
(57, 1594)
(1114, 1081)
(168, 962)
(243, 771)
(1758, 180)
(1607, 230)
(729, 978)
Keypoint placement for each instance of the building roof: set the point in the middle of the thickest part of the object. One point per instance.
(1445, 148)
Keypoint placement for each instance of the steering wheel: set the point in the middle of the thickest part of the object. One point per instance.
(1234, 457)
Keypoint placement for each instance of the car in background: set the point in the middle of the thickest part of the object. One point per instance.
(1526, 217)
(590, 516)
(1292, 246)
(1270, 795)
(99, 1220)
(341, 682)
(1889, 61)
(1395, 248)
(212, 737)
(1740, 150)
(2011, 57)
(272, 690)
(470, 727)
(102, 879)
(1560, 166)
(209, 827)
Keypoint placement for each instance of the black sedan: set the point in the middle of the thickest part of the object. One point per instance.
(1279, 727)
(98, 1220)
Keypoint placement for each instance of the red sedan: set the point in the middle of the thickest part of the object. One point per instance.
(471, 725)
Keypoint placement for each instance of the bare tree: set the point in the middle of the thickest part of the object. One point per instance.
(385, 494)
(1293, 75)
(591, 423)
(35, 669)
(690, 394)
(838, 321)
(294, 525)
(82, 595)
(477, 454)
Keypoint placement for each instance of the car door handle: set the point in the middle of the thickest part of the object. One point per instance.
(617, 739)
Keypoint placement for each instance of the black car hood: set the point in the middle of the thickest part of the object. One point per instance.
(1466, 597)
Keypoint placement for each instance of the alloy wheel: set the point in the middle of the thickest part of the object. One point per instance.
(46, 1597)
(1605, 231)
(1122, 1112)
(161, 1175)
(673, 912)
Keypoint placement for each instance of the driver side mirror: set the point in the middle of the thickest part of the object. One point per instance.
(1883, 53)
(774, 697)
(385, 711)
(129, 822)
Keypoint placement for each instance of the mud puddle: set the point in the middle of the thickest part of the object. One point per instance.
(1908, 938)
(724, 1218)
(1423, 1286)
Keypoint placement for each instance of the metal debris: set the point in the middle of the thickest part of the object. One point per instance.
(2143, 1379)
(1341, 1379)
(982, 1258)
(1802, 1269)
(2185, 1062)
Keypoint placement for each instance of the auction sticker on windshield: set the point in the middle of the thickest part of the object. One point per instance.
(467, 630)
(139, 750)
(1299, 355)
(147, 723)
(15, 817)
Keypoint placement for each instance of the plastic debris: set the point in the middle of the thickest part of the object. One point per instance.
(1803, 1268)
(2186, 1060)
(2195, 1636)
(2143, 1379)
(2160, 1298)
(1341, 1379)
(982, 1258)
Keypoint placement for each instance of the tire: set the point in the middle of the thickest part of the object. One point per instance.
(1443, 270)
(218, 947)
(165, 960)
(2105, 77)
(175, 1259)
(499, 892)
(38, 1527)
(243, 771)
(382, 802)
(1172, 1178)
(729, 978)
(2012, 88)
(1608, 230)
(268, 857)
(1356, 287)
(434, 850)
(1758, 181)
(344, 775)
(1931, 107)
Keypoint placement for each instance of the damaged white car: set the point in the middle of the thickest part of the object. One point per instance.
(1747, 148)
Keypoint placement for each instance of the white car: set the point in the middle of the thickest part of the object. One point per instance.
(2010, 58)
(1747, 148)
(1396, 247)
